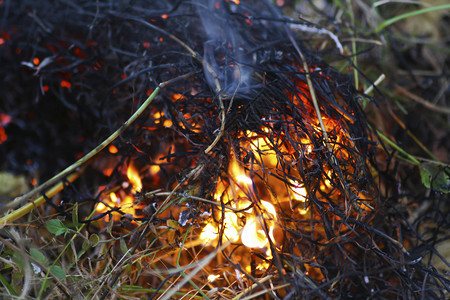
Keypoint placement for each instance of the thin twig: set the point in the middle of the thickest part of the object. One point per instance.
(208, 67)
(429, 105)
(333, 160)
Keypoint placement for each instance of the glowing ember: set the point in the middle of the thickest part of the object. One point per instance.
(65, 84)
(3, 135)
(113, 149)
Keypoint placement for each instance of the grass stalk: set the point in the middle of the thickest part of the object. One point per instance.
(395, 19)
(410, 158)
(20, 212)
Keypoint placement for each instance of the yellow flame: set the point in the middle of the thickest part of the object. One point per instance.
(212, 278)
(244, 179)
(209, 234)
(100, 207)
(299, 191)
(252, 235)
(134, 178)
(270, 208)
(154, 169)
(230, 231)
(113, 197)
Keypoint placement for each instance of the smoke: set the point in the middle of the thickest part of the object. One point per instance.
(226, 53)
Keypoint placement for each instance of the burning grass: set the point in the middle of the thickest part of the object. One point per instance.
(251, 170)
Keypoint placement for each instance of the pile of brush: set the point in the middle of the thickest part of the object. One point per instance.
(249, 133)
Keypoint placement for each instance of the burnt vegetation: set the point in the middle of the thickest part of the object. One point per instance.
(257, 161)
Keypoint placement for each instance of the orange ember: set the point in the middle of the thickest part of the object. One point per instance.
(65, 84)
(113, 149)
(3, 136)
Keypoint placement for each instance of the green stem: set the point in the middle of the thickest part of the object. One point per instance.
(72, 168)
(8, 286)
(20, 212)
(354, 58)
(411, 158)
(410, 14)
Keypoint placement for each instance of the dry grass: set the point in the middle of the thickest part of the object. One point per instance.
(54, 256)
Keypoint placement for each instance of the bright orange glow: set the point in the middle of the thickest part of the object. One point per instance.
(154, 169)
(236, 1)
(36, 61)
(113, 197)
(212, 278)
(299, 192)
(100, 207)
(157, 115)
(164, 16)
(167, 123)
(65, 84)
(248, 224)
(3, 136)
(119, 199)
(134, 178)
(107, 171)
(176, 97)
(252, 235)
(209, 234)
(4, 119)
(2, 41)
(113, 149)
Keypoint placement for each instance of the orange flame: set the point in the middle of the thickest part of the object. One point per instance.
(253, 222)
(134, 178)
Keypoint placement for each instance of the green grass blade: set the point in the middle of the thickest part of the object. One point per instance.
(411, 14)
(8, 286)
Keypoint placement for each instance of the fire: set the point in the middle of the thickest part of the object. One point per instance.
(255, 219)
(212, 278)
(254, 192)
(121, 198)
(134, 178)
(4, 120)
(253, 234)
